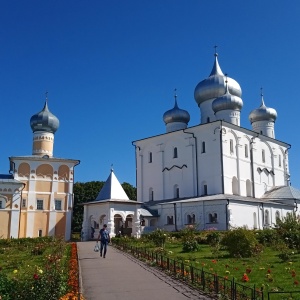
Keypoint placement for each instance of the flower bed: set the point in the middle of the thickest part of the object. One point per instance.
(41, 268)
(73, 281)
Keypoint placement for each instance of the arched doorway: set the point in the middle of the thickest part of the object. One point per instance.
(128, 225)
(118, 220)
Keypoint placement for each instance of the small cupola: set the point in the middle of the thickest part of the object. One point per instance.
(176, 118)
(263, 118)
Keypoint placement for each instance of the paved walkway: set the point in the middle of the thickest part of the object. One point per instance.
(121, 276)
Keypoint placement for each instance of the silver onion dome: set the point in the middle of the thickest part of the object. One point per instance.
(176, 114)
(214, 86)
(227, 101)
(44, 121)
(263, 113)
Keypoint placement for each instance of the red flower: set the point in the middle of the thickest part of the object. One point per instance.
(248, 271)
(269, 271)
(293, 273)
(36, 276)
(296, 282)
(214, 261)
(245, 278)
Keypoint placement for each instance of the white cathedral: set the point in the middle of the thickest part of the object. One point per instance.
(216, 175)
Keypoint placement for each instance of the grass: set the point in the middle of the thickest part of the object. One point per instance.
(266, 271)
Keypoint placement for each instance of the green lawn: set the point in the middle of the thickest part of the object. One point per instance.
(265, 271)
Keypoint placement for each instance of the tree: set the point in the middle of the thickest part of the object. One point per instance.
(87, 192)
(129, 190)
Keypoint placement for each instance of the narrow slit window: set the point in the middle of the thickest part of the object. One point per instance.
(175, 152)
(205, 189)
(263, 156)
(231, 146)
(203, 147)
(246, 150)
(150, 157)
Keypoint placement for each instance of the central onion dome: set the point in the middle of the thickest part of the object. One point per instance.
(176, 114)
(214, 86)
(227, 102)
(44, 121)
(263, 113)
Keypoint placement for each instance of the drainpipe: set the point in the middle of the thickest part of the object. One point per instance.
(196, 158)
(175, 216)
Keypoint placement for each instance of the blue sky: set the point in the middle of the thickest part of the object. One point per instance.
(111, 67)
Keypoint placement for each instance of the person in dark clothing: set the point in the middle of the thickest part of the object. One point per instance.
(104, 239)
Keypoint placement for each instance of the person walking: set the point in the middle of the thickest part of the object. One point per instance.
(104, 239)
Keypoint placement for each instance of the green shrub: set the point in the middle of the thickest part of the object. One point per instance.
(288, 230)
(189, 239)
(158, 237)
(267, 237)
(213, 238)
(240, 242)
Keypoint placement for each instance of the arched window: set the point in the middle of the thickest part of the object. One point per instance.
(279, 160)
(213, 218)
(176, 191)
(254, 221)
(246, 150)
(191, 219)
(235, 189)
(150, 157)
(205, 189)
(231, 146)
(248, 188)
(175, 152)
(151, 194)
(263, 156)
(267, 217)
(203, 147)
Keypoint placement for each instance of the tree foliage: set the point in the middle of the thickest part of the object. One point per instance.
(241, 242)
(288, 230)
(88, 191)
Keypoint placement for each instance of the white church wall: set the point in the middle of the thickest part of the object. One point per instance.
(177, 171)
(244, 214)
(230, 162)
(209, 159)
(245, 166)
